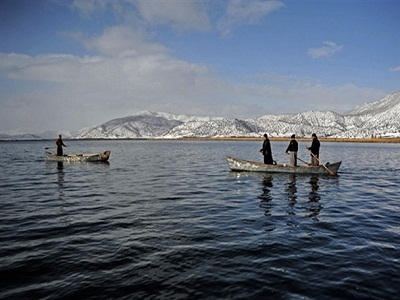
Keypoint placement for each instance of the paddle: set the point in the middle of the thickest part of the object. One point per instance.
(330, 172)
(48, 148)
(300, 160)
(303, 161)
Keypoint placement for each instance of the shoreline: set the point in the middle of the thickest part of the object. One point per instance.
(395, 140)
(301, 139)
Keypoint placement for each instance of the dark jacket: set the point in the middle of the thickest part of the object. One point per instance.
(266, 151)
(59, 144)
(293, 146)
(266, 147)
(315, 147)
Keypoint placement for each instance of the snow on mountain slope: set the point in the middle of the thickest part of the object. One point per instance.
(217, 127)
(301, 124)
(380, 118)
(142, 125)
(386, 104)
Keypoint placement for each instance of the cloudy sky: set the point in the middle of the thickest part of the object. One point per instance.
(68, 64)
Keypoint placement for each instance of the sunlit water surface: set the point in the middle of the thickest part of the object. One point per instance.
(168, 220)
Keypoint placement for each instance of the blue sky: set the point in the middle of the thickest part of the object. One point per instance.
(65, 65)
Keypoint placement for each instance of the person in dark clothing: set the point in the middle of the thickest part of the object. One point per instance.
(293, 148)
(266, 151)
(314, 150)
(60, 145)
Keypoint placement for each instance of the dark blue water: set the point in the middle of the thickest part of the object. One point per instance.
(168, 220)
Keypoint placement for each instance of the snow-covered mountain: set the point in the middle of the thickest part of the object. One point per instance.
(380, 119)
(376, 119)
(24, 136)
(142, 125)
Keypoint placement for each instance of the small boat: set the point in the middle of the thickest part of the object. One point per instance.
(241, 165)
(97, 157)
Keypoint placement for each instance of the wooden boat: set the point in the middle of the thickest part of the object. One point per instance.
(98, 157)
(242, 165)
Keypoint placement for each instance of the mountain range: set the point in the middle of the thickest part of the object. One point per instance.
(376, 119)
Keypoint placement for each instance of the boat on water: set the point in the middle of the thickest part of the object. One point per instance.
(97, 157)
(241, 165)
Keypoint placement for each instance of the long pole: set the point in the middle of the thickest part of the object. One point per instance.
(300, 160)
(330, 172)
(303, 161)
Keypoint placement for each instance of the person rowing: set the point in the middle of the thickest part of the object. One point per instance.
(314, 149)
(293, 148)
(266, 151)
(60, 144)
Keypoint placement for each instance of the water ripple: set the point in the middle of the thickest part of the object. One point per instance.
(171, 222)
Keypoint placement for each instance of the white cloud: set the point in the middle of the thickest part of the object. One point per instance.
(127, 72)
(395, 69)
(178, 14)
(93, 90)
(121, 41)
(181, 15)
(241, 12)
(87, 8)
(327, 50)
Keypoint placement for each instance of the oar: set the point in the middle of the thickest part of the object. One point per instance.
(330, 172)
(300, 160)
(303, 161)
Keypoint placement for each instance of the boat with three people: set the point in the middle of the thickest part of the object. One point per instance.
(242, 165)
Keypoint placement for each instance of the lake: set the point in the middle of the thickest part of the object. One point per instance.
(168, 220)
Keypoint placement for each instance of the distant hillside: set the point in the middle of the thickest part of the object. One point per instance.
(144, 125)
(25, 137)
(376, 119)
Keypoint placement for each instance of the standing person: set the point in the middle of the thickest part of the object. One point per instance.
(293, 148)
(266, 151)
(60, 145)
(314, 150)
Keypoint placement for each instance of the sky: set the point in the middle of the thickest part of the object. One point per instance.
(70, 64)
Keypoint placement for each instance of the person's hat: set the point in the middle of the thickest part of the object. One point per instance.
(293, 136)
(313, 134)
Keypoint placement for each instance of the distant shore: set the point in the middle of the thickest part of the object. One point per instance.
(301, 139)
(322, 139)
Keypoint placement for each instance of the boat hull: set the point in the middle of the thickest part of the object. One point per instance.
(98, 157)
(241, 165)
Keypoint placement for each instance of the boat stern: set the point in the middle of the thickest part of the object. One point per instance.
(105, 155)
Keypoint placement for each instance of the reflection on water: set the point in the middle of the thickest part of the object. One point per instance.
(114, 236)
(314, 207)
(60, 179)
(305, 191)
(291, 196)
(291, 189)
(266, 188)
(313, 195)
(64, 218)
(265, 196)
(302, 195)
